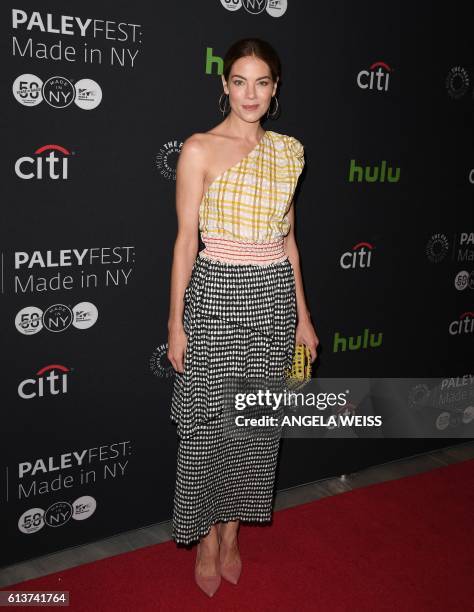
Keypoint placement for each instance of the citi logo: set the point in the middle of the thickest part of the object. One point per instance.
(464, 325)
(359, 257)
(373, 174)
(356, 343)
(50, 161)
(50, 380)
(377, 77)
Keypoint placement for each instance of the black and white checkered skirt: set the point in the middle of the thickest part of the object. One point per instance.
(240, 321)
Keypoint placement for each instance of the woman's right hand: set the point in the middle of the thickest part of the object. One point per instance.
(177, 344)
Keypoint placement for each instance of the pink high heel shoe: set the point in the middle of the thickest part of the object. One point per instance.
(231, 571)
(209, 584)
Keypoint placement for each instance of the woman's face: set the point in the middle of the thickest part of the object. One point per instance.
(250, 88)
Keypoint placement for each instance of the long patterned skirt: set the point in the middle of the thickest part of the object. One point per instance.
(240, 322)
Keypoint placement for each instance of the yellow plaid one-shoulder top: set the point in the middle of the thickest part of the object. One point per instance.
(250, 200)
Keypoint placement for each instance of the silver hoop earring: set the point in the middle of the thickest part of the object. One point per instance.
(276, 108)
(223, 110)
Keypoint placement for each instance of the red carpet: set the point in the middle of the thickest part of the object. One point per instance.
(402, 545)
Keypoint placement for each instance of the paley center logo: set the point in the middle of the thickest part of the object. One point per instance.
(159, 363)
(457, 82)
(376, 77)
(50, 161)
(166, 158)
(57, 92)
(438, 247)
(50, 380)
(360, 256)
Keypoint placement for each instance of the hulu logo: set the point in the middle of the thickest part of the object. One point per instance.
(362, 341)
(373, 174)
(213, 59)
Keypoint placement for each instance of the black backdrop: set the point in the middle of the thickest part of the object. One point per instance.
(88, 253)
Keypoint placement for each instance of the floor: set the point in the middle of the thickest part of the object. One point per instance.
(161, 532)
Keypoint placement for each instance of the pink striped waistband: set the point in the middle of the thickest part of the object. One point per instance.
(239, 251)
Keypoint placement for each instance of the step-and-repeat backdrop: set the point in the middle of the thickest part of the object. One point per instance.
(98, 98)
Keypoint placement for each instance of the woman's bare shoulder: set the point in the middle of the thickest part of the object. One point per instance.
(193, 153)
(198, 145)
(202, 148)
(204, 139)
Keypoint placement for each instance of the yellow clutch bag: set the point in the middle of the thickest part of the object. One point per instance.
(300, 372)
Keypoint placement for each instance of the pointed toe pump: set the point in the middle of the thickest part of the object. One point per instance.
(208, 584)
(232, 572)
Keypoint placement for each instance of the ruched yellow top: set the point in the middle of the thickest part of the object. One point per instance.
(250, 200)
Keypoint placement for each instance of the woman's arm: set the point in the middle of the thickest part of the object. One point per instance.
(190, 173)
(305, 333)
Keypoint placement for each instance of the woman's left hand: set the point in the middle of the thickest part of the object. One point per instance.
(305, 334)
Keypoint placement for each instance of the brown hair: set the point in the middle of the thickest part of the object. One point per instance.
(253, 46)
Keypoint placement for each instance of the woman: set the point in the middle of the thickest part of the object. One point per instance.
(233, 308)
